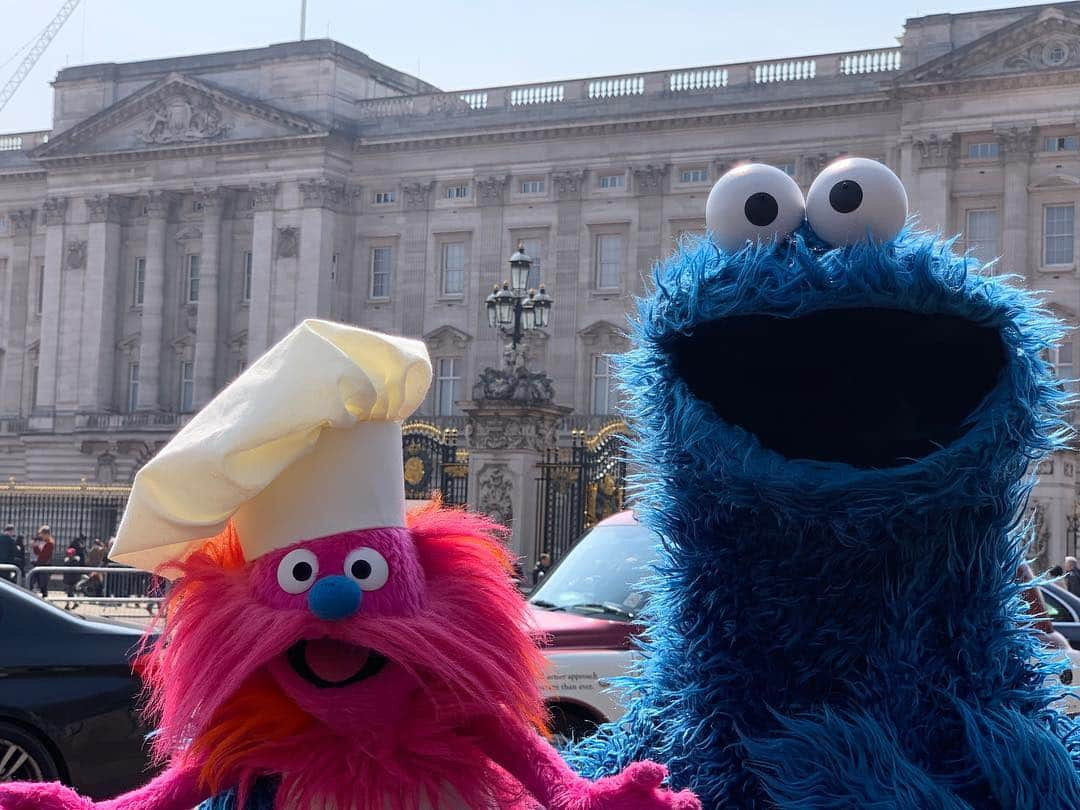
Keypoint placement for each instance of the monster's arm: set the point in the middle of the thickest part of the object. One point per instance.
(175, 789)
(533, 762)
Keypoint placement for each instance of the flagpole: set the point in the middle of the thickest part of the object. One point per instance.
(303, 18)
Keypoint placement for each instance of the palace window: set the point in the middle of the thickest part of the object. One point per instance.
(452, 268)
(532, 187)
(334, 268)
(787, 168)
(139, 286)
(609, 259)
(612, 180)
(534, 249)
(983, 150)
(1061, 357)
(34, 386)
(603, 384)
(446, 385)
(191, 278)
(698, 175)
(1061, 143)
(248, 264)
(385, 197)
(382, 259)
(457, 192)
(133, 387)
(196, 205)
(187, 387)
(1058, 231)
(39, 294)
(981, 233)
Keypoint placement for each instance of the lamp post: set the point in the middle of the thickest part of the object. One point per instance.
(515, 310)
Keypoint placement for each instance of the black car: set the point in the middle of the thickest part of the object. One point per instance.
(1063, 608)
(68, 698)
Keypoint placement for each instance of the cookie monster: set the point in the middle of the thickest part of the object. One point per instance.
(837, 418)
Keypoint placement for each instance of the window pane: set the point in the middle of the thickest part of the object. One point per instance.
(602, 398)
(140, 281)
(1065, 355)
(608, 261)
(133, 386)
(446, 386)
(187, 387)
(247, 275)
(193, 279)
(381, 258)
(981, 234)
(534, 248)
(453, 268)
(1058, 234)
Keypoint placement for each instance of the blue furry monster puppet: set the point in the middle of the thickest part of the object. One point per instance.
(836, 420)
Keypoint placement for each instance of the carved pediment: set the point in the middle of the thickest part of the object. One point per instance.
(176, 111)
(604, 335)
(1054, 181)
(447, 338)
(1047, 40)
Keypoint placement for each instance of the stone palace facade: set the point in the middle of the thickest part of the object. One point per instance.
(183, 214)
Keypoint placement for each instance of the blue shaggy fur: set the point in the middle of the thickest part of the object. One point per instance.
(823, 636)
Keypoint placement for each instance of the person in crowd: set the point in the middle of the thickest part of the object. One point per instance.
(1072, 576)
(1056, 571)
(71, 579)
(7, 552)
(542, 566)
(43, 546)
(92, 585)
(95, 555)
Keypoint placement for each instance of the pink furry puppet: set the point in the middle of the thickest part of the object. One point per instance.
(320, 651)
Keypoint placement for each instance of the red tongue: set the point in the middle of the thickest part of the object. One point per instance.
(334, 661)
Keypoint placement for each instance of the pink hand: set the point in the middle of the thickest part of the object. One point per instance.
(41, 796)
(638, 787)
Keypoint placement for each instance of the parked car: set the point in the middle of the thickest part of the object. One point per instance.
(587, 609)
(68, 698)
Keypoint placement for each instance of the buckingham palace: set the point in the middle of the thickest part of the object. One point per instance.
(183, 214)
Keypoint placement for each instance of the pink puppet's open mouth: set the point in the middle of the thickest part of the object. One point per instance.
(329, 664)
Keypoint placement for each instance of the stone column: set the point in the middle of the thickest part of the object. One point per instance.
(159, 204)
(54, 211)
(315, 288)
(411, 283)
(1017, 144)
(99, 302)
(564, 283)
(935, 161)
(506, 439)
(491, 265)
(262, 258)
(650, 181)
(206, 319)
(19, 285)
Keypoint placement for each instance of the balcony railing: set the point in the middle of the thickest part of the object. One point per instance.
(848, 65)
(23, 141)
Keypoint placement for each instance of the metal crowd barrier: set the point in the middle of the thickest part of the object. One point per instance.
(129, 579)
(12, 569)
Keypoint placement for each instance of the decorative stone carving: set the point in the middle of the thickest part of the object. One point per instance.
(569, 183)
(490, 190)
(21, 221)
(935, 151)
(510, 431)
(447, 337)
(496, 493)
(650, 179)
(212, 200)
(1053, 54)
(263, 195)
(54, 209)
(813, 164)
(1017, 142)
(324, 193)
(106, 207)
(159, 203)
(75, 256)
(288, 242)
(183, 116)
(418, 195)
(187, 232)
(514, 384)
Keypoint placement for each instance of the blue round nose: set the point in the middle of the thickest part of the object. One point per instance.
(334, 598)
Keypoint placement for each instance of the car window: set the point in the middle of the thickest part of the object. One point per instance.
(602, 573)
(1054, 609)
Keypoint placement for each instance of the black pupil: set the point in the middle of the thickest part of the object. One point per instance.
(361, 569)
(761, 209)
(301, 571)
(845, 196)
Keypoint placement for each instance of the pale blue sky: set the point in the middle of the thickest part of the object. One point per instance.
(456, 45)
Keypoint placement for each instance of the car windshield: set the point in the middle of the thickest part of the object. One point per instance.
(602, 573)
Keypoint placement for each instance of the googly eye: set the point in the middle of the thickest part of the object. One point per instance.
(753, 203)
(368, 567)
(856, 198)
(297, 571)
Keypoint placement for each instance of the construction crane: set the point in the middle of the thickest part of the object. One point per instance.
(42, 42)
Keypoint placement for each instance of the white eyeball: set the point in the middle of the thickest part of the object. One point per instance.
(297, 571)
(368, 567)
(856, 198)
(753, 203)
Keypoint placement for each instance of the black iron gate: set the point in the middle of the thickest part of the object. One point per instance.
(434, 464)
(69, 511)
(578, 486)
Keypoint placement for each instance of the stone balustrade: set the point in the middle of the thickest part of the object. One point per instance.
(23, 141)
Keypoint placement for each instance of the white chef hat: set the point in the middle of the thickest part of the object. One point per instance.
(305, 443)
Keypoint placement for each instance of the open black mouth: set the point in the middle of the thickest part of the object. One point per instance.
(873, 388)
(331, 664)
